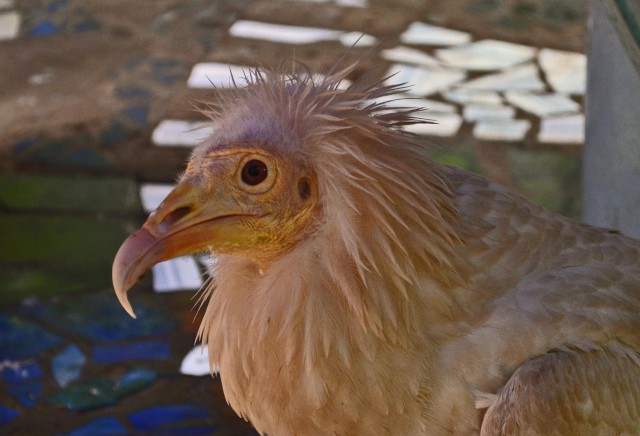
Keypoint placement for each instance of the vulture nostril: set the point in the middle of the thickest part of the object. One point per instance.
(173, 217)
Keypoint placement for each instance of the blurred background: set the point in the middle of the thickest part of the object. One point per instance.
(97, 105)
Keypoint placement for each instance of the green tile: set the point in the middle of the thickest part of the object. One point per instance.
(58, 239)
(551, 179)
(89, 194)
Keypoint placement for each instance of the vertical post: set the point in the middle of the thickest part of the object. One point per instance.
(611, 160)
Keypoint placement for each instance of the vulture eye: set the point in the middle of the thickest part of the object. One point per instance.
(254, 172)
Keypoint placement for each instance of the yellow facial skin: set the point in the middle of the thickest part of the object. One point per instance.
(243, 201)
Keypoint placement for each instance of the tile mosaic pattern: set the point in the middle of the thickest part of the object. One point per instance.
(83, 353)
(96, 361)
(484, 79)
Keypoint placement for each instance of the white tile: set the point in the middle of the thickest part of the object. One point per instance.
(427, 34)
(179, 274)
(486, 55)
(472, 96)
(565, 71)
(180, 133)
(501, 130)
(196, 362)
(563, 130)
(409, 102)
(9, 25)
(476, 112)
(211, 74)
(542, 105)
(523, 77)
(408, 55)
(282, 33)
(424, 81)
(358, 39)
(447, 124)
(353, 3)
(152, 194)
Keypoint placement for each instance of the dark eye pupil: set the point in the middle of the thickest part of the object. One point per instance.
(254, 172)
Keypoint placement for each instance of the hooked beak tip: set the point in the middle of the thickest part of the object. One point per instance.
(130, 264)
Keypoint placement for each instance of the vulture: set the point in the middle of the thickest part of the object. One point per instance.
(361, 288)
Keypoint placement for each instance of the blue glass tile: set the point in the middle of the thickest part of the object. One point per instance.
(7, 414)
(167, 79)
(45, 28)
(67, 365)
(20, 372)
(95, 393)
(137, 113)
(114, 134)
(105, 426)
(148, 350)
(27, 393)
(99, 317)
(22, 340)
(134, 380)
(25, 144)
(163, 64)
(158, 417)
(54, 6)
(131, 91)
(86, 157)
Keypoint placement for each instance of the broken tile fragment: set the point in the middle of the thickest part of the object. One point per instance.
(402, 101)
(9, 25)
(67, 365)
(95, 393)
(19, 372)
(565, 71)
(22, 340)
(476, 112)
(352, 3)
(501, 130)
(523, 77)
(407, 55)
(446, 124)
(180, 133)
(358, 39)
(542, 104)
(217, 75)
(562, 130)
(26, 393)
(486, 55)
(144, 350)
(472, 96)
(282, 33)
(179, 274)
(427, 34)
(196, 362)
(152, 194)
(7, 414)
(423, 81)
(134, 380)
(160, 417)
(103, 426)
(99, 317)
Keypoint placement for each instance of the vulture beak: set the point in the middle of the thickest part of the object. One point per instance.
(182, 224)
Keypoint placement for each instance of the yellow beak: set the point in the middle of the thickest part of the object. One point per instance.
(182, 224)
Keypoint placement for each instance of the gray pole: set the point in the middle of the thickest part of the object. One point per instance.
(611, 177)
